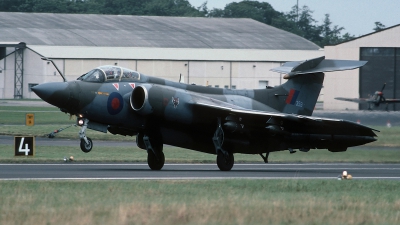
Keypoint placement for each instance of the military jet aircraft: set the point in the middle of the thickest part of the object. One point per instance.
(374, 101)
(210, 120)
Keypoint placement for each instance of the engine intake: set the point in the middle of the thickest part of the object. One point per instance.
(140, 101)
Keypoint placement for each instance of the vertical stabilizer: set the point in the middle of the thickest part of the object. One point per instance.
(302, 94)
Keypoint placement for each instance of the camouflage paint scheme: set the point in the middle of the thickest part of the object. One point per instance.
(211, 120)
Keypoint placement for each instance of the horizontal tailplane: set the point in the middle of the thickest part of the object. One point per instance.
(317, 65)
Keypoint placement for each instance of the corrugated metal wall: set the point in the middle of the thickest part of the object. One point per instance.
(383, 67)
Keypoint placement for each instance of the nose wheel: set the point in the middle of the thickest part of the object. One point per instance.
(86, 147)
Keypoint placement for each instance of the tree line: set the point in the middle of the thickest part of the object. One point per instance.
(298, 21)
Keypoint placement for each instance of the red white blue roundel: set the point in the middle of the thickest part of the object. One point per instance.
(115, 103)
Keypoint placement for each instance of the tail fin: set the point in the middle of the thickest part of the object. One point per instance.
(302, 94)
(305, 79)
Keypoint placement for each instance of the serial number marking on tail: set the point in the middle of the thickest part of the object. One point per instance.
(299, 104)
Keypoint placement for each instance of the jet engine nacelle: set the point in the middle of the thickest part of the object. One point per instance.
(140, 101)
(168, 103)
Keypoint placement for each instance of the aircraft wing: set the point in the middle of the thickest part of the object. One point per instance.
(358, 100)
(388, 100)
(285, 124)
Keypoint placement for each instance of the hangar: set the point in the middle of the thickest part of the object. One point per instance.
(217, 52)
(382, 51)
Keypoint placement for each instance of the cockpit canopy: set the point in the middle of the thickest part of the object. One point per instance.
(110, 74)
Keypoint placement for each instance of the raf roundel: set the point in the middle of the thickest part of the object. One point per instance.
(115, 103)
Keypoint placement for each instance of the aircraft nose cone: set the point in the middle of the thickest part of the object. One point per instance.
(47, 90)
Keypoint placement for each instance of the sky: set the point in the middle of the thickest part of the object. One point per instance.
(358, 17)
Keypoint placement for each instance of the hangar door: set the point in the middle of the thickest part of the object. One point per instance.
(383, 67)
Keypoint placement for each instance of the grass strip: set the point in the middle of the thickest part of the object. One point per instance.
(15, 115)
(180, 155)
(237, 201)
(68, 132)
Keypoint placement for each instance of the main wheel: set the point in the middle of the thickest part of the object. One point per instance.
(225, 163)
(86, 147)
(154, 162)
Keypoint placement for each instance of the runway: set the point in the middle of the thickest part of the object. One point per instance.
(72, 171)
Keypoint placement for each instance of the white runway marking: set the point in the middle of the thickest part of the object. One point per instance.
(194, 178)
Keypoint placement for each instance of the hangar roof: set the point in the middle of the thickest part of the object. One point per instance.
(51, 29)
(90, 52)
(388, 37)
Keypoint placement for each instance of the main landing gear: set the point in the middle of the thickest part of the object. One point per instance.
(225, 159)
(155, 154)
(86, 143)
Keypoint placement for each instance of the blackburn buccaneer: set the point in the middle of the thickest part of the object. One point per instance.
(210, 120)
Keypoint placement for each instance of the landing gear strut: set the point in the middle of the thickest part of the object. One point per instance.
(265, 158)
(155, 155)
(225, 160)
(86, 143)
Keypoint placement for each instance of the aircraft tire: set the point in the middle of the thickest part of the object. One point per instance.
(154, 162)
(86, 147)
(225, 163)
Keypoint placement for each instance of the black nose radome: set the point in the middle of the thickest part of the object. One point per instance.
(46, 90)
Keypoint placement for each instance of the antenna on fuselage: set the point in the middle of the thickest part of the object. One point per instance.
(50, 60)
(181, 78)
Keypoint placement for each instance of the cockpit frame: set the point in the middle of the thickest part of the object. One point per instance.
(108, 73)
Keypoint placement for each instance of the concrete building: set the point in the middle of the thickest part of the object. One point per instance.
(382, 51)
(226, 53)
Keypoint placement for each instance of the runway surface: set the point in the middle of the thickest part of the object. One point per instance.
(132, 171)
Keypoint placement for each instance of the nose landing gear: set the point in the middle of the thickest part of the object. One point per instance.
(86, 143)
